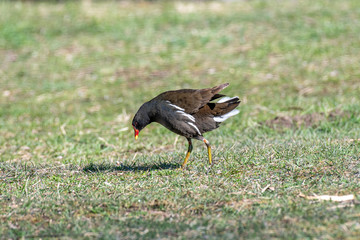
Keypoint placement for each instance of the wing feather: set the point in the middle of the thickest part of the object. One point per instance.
(191, 100)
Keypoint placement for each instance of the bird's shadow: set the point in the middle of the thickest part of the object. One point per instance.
(104, 167)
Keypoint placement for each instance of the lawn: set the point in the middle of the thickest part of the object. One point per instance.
(73, 74)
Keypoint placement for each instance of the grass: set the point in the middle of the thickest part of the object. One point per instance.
(74, 73)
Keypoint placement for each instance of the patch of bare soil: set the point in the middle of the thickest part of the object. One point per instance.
(306, 120)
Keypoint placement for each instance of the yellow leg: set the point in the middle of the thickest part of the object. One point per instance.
(209, 153)
(187, 154)
(209, 150)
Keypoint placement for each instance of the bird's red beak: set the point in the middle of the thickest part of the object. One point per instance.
(136, 133)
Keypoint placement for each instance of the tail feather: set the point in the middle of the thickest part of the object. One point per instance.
(219, 88)
(225, 108)
(228, 99)
(216, 96)
(222, 118)
(215, 90)
(217, 111)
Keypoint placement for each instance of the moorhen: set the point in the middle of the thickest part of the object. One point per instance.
(187, 112)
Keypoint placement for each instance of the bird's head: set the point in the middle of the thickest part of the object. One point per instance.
(141, 120)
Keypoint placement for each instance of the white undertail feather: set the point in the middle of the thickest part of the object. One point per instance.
(226, 116)
(225, 99)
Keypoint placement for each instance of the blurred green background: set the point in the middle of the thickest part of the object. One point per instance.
(73, 74)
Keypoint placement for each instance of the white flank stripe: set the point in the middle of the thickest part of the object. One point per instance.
(174, 106)
(224, 99)
(187, 115)
(226, 116)
(196, 128)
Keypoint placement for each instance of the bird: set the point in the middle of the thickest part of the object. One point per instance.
(188, 113)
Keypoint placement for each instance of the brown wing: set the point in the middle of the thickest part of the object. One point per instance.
(191, 100)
